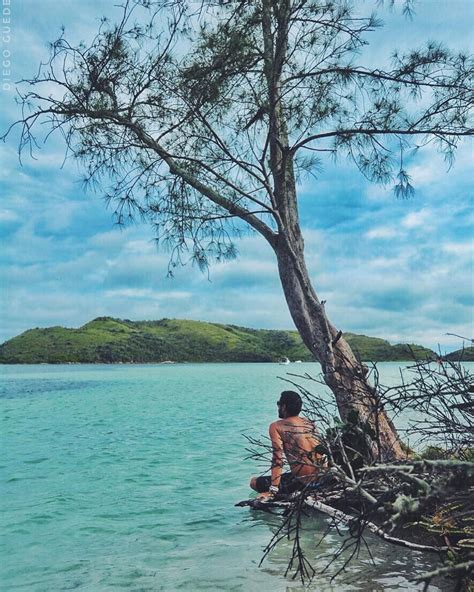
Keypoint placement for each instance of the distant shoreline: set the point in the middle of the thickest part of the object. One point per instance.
(201, 363)
(106, 340)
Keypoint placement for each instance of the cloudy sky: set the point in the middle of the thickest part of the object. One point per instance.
(398, 269)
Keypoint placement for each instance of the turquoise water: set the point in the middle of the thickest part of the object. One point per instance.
(125, 477)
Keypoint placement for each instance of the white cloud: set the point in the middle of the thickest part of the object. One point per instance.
(429, 170)
(417, 219)
(382, 232)
(459, 249)
(112, 239)
(146, 293)
(8, 216)
(378, 194)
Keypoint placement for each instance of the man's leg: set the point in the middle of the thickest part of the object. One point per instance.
(287, 484)
(260, 484)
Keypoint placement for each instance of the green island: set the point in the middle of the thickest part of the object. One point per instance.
(110, 340)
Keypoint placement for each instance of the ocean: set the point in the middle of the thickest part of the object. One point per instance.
(125, 477)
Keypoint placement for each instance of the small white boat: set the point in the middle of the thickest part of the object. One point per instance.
(298, 362)
(284, 361)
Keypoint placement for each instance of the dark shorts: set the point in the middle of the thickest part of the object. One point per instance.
(288, 484)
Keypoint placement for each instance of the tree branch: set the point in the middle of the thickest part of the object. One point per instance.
(341, 516)
(381, 132)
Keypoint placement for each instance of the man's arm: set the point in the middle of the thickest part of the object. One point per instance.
(277, 461)
(277, 458)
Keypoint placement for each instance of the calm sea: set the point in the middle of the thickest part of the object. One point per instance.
(125, 477)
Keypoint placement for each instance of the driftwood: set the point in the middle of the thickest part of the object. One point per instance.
(341, 517)
(338, 515)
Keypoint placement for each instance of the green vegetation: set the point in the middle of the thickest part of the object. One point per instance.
(108, 340)
(461, 355)
(380, 350)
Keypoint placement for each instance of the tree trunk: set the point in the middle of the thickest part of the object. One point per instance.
(343, 373)
(345, 376)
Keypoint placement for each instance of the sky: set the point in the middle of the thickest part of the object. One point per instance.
(397, 269)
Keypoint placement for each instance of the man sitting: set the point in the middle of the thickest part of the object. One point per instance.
(295, 438)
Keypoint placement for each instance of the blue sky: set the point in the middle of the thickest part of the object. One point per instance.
(398, 269)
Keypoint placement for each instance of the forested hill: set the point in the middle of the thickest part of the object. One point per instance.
(109, 340)
(461, 355)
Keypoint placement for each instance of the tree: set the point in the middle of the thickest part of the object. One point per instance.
(202, 118)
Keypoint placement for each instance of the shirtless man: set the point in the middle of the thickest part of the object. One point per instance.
(294, 437)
